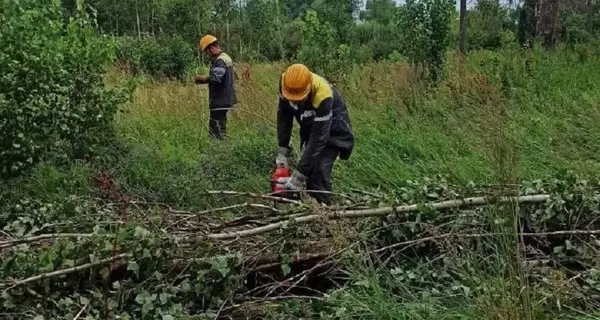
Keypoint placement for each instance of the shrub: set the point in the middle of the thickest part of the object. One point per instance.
(52, 94)
(318, 47)
(426, 25)
(166, 57)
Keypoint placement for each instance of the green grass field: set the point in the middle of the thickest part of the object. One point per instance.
(498, 122)
(403, 131)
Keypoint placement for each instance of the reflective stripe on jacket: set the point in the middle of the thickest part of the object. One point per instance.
(323, 119)
(221, 91)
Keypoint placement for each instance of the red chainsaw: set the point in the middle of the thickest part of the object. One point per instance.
(279, 177)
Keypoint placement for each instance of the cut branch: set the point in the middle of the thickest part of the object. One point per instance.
(351, 214)
(482, 235)
(13, 242)
(58, 273)
(254, 195)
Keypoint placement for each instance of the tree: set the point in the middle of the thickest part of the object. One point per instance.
(262, 21)
(485, 25)
(340, 14)
(297, 8)
(548, 22)
(53, 99)
(462, 40)
(426, 26)
(526, 31)
(380, 11)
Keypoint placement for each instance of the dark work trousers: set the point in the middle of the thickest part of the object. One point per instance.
(320, 178)
(218, 124)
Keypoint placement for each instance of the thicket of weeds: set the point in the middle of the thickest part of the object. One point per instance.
(504, 120)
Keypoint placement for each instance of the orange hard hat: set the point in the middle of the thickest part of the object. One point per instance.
(206, 41)
(296, 82)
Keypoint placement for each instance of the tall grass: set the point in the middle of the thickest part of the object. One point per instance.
(498, 122)
(403, 129)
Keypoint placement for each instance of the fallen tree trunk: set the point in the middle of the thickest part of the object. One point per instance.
(351, 214)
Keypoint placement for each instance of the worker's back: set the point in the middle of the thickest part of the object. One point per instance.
(222, 94)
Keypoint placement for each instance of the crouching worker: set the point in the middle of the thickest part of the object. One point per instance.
(221, 91)
(325, 130)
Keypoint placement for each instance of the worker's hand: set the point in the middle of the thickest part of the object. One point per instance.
(200, 79)
(295, 182)
(282, 158)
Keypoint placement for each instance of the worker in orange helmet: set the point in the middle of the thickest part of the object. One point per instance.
(325, 130)
(221, 91)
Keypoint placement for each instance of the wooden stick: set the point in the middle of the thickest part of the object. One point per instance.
(352, 214)
(62, 272)
(81, 311)
(236, 206)
(311, 191)
(482, 235)
(254, 195)
(10, 243)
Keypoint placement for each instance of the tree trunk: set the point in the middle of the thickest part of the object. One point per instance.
(137, 18)
(548, 22)
(462, 40)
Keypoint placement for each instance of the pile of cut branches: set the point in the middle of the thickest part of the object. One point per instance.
(100, 258)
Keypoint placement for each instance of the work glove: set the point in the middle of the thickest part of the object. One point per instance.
(282, 157)
(296, 182)
(200, 79)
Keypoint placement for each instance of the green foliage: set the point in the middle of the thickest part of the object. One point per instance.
(264, 25)
(485, 25)
(380, 11)
(52, 95)
(527, 23)
(453, 129)
(269, 30)
(318, 46)
(339, 14)
(292, 38)
(164, 58)
(427, 31)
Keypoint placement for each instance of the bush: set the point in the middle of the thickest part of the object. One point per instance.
(52, 94)
(426, 26)
(167, 57)
(318, 47)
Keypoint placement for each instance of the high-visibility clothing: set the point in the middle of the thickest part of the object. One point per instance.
(221, 91)
(323, 119)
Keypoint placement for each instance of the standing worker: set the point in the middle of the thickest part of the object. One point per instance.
(221, 91)
(325, 130)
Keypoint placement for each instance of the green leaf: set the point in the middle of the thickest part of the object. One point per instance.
(285, 268)
(112, 304)
(140, 232)
(164, 297)
(144, 298)
(133, 266)
(185, 286)
(568, 245)
(558, 249)
(167, 317)
(221, 264)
